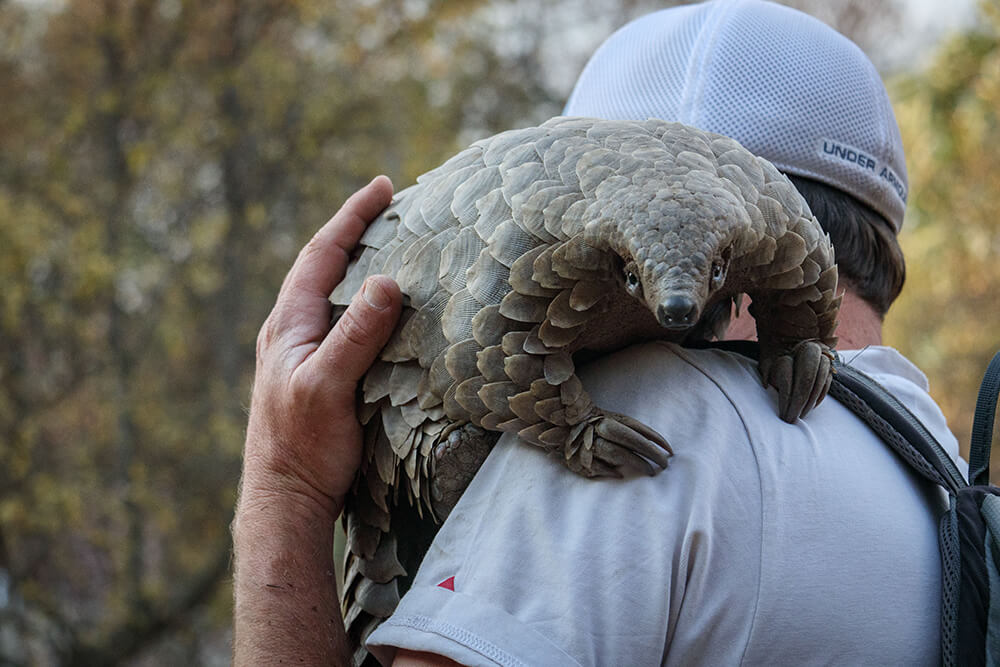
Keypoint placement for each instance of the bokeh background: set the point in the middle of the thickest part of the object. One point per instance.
(161, 162)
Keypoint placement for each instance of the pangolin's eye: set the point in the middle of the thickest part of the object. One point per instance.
(718, 272)
(633, 285)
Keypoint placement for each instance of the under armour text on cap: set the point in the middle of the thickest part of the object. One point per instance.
(782, 83)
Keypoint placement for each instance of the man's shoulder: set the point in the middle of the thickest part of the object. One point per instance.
(705, 403)
(660, 352)
(670, 377)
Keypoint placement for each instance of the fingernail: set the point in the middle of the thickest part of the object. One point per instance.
(375, 295)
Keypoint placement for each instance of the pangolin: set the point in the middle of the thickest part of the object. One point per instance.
(533, 245)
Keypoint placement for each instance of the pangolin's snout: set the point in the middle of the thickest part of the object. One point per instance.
(677, 312)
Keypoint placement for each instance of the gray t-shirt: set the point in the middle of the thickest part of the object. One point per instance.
(763, 543)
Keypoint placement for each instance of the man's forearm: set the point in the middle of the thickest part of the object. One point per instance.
(304, 446)
(286, 609)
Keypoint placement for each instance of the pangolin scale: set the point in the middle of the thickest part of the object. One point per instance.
(537, 243)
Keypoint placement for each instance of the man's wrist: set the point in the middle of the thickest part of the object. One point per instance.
(270, 481)
(285, 508)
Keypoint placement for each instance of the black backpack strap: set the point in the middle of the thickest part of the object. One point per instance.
(895, 424)
(982, 426)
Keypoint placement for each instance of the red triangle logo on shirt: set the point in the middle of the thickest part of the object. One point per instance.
(448, 583)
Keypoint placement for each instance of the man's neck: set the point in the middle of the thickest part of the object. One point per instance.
(859, 327)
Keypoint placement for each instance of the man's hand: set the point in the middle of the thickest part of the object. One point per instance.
(303, 439)
(303, 447)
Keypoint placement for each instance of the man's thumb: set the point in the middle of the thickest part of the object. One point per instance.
(359, 334)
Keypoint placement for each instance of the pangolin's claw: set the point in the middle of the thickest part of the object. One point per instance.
(821, 386)
(622, 458)
(613, 445)
(805, 367)
(647, 433)
(801, 377)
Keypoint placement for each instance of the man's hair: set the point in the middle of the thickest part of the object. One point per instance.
(868, 255)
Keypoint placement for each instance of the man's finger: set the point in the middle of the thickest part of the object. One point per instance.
(321, 263)
(302, 301)
(361, 332)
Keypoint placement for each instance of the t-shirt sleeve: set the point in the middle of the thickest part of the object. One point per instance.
(537, 565)
(527, 569)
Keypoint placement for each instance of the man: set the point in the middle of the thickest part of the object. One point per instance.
(763, 542)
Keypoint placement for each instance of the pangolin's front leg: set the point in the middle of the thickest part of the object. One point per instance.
(533, 390)
(558, 415)
(796, 348)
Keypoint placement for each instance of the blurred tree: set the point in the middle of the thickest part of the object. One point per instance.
(947, 318)
(161, 163)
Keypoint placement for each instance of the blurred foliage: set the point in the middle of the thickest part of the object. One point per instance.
(161, 162)
(948, 317)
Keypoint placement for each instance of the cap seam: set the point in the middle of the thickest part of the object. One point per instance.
(694, 85)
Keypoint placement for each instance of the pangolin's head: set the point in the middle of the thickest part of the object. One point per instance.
(676, 252)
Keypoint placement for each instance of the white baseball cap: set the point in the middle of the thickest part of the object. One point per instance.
(785, 85)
